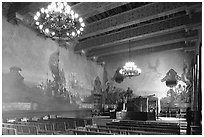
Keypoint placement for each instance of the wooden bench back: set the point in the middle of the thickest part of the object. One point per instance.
(22, 129)
(8, 131)
(164, 128)
(119, 131)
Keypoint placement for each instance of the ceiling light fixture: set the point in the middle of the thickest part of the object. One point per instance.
(58, 21)
(130, 69)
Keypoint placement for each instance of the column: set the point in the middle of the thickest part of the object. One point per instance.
(158, 106)
(147, 104)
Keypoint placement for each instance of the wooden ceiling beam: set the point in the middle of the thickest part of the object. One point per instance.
(109, 6)
(84, 8)
(141, 14)
(147, 43)
(137, 33)
(174, 46)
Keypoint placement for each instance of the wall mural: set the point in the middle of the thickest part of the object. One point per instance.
(179, 93)
(37, 77)
(17, 95)
(154, 67)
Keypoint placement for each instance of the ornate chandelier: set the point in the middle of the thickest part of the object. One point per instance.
(130, 69)
(58, 21)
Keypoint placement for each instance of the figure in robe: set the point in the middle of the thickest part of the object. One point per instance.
(57, 74)
(97, 85)
(171, 78)
(118, 77)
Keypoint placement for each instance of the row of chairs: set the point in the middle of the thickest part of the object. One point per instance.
(9, 131)
(46, 127)
(50, 127)
(121, 131)
(19, 129)
(85, 132)
(139, 126)
(146, 123)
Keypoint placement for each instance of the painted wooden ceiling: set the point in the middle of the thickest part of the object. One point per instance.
(113, 27)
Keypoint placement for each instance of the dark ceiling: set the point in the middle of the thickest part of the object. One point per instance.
(111, 27)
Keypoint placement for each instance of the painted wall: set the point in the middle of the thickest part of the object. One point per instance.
(154, 67)
(22, 47)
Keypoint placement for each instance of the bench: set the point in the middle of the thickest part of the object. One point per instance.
(171, 128)
(43, 128)
(84, 132)
(120, 131)
(8, 131)
(136, 130)
(50, 126)
(22, 129)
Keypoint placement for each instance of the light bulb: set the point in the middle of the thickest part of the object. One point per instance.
(53, 33)
(78, 31)
(72, 17)
(38, 14)
(67, 33)
(42, 10)
(37, 23)
(73, 33)
(35, 17)
(76, 15)
(72, 12)
(82, 24)
(80, 20)
(46, 30)
(68, 7)
(41, 26)
(58, 3)
(67, 11)
(81, 29)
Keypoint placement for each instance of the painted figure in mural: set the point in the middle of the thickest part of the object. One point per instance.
(185, 76)
(129, 93)
(106, 92)
(57, 74)
(117, 76)
(171, 78)
(97, 85)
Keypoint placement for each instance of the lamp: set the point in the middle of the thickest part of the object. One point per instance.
(58, 21)
(130, 69)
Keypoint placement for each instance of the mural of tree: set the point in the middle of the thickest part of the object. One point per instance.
(176, 98)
